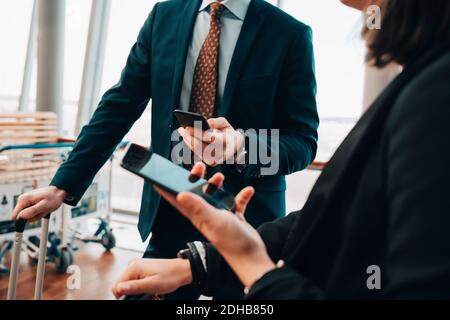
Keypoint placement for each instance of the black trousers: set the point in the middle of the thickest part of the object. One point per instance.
(171, 232)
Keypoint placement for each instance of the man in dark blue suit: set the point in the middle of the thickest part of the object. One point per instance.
(242, 63)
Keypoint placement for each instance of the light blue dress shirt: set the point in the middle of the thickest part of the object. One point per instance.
(231, 24)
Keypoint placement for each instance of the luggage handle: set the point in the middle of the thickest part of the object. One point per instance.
(20, 225)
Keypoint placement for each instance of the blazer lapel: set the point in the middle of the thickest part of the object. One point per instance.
(249, 31)
(185, 30)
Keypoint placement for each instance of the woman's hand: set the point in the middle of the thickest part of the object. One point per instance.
(153, 276)
(236, 240)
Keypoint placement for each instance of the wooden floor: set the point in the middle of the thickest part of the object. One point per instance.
(99, 271)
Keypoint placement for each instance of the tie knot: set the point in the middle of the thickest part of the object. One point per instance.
(217, 9)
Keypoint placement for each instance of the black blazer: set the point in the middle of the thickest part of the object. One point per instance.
(383, 200)
(270, 85)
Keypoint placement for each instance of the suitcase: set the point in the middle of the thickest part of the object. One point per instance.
(15, 262)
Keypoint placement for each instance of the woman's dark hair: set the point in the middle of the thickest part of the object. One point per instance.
(408, 28)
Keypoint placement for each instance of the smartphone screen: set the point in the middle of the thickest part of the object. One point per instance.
(169, 176)
(159, 171)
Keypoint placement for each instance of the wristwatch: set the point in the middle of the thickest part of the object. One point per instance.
(243, 154)
(183, 254)
(196, 254)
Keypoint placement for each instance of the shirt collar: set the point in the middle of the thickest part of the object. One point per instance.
(237, 7)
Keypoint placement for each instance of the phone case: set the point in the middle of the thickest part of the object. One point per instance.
(188, 119)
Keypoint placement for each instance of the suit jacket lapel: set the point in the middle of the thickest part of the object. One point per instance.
(249, 31)
(185, 30)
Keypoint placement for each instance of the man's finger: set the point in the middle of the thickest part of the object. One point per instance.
(196, 146)
(242, 200)
(211, 136)
(193, 132)
(197, 133)
(34, 211)
(39, 216)
(208, 136)
(23, 203)
(219, 123)
(189, 130)
(189, 141)
(19, 207)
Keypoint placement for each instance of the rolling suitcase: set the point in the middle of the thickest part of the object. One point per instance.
(15, 262)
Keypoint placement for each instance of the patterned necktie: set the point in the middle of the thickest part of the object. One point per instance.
(204, 86)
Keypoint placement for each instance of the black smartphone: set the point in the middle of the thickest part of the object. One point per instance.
(189, 119)
(172, 178)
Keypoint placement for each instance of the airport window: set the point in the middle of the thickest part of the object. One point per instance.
(77, 26)
(339, 74)
(339, 70)
(339, 104)
(124, 24)
(17, 16)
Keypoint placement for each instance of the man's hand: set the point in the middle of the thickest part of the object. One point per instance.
(222, 143)
(153, 276)
(36, 204)
(236, 240)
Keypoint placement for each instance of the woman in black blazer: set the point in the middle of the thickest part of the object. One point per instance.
(377, 223)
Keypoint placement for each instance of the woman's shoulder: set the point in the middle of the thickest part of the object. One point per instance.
(426, 98)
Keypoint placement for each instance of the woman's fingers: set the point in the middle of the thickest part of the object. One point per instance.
(215, 183)
(217, 180)
(132, 272)
(198, 171)
(242, 200)
(201, 214)
(170, 198)
(188, 204)
(148, 285)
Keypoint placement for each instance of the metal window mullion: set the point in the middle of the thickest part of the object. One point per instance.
(100, 55)
(93, 61)
(29, 60)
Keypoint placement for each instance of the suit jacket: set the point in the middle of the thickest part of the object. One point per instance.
(270, 84)
(381, 208)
